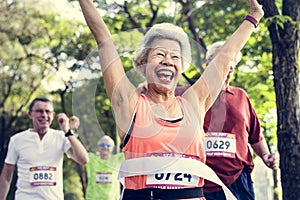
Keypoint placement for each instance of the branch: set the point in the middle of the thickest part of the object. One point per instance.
(126, 10)
(154, 13)
(269, 7)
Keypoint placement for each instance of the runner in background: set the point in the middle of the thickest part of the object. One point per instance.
(38, 154)
(230, 125)
(102, 172)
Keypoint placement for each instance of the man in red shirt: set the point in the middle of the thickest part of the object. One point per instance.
(230, 125)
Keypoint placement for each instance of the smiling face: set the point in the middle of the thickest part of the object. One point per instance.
(42, 116)
(164, 64)
(105, 147)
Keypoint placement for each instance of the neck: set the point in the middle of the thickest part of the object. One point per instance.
(41, 132)
(105, 157)
(159, 97)
(164, 105)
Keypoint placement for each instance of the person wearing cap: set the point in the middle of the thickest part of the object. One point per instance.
(163, 134)
(230, 125)
(102, 172)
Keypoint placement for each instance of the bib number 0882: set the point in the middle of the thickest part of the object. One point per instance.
(42, 176)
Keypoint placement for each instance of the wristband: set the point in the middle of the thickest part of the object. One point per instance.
(69, 133)
(252, 20)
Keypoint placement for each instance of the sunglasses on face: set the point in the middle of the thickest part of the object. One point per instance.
(104, 145)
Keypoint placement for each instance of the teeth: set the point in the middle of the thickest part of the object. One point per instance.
(165, 73)
(164, 78)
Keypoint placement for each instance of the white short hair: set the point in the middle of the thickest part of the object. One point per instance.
(163, 31)
(213, 49)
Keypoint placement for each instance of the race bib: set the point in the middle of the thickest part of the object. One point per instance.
(166, 180)
(172, 180)
(103, 177)
(157, 165)
(220, 144)
(42, 176)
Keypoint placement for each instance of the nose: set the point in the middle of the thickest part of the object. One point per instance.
(44, 113)
(167, 60)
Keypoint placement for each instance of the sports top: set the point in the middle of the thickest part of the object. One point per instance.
(152, 136)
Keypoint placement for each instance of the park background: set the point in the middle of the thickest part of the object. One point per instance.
(47, 50)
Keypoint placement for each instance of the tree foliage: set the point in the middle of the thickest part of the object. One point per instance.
(39, 47)
(33, 47)
(22, 66)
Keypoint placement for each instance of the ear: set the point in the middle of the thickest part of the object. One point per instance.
(29, 114)
(142, 69)
(53, 114)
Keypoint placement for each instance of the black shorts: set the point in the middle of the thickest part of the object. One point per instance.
(162, 194)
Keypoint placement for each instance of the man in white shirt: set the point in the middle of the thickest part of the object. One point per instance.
(38, 154)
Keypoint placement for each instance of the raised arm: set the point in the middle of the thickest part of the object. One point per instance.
(77, 151)
(121, 92)
(111, 65)
(94, 21)
(209, 85)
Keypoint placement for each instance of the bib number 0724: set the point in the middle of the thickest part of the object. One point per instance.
(176, 177)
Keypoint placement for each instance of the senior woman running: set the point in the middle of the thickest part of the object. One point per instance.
(162, 133)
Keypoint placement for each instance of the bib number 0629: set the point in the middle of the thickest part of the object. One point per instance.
(217, 144)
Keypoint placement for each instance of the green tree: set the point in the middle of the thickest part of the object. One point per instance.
(283, 25)
(23, 66)
(33, 48)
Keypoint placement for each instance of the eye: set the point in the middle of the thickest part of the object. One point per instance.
(160, 53)
(176, 57)
(39, 111)
(48, 112)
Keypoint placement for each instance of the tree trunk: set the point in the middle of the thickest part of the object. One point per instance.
(287, 99)
(285, 44)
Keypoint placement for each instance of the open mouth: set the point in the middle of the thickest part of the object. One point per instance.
(43, 121)
(165, 75)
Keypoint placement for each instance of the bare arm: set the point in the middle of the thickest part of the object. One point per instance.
(77, 151)
(262, 150)
(94, 21)
(121, 92)
(209, 85)
(111, 65)
(5, 180)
